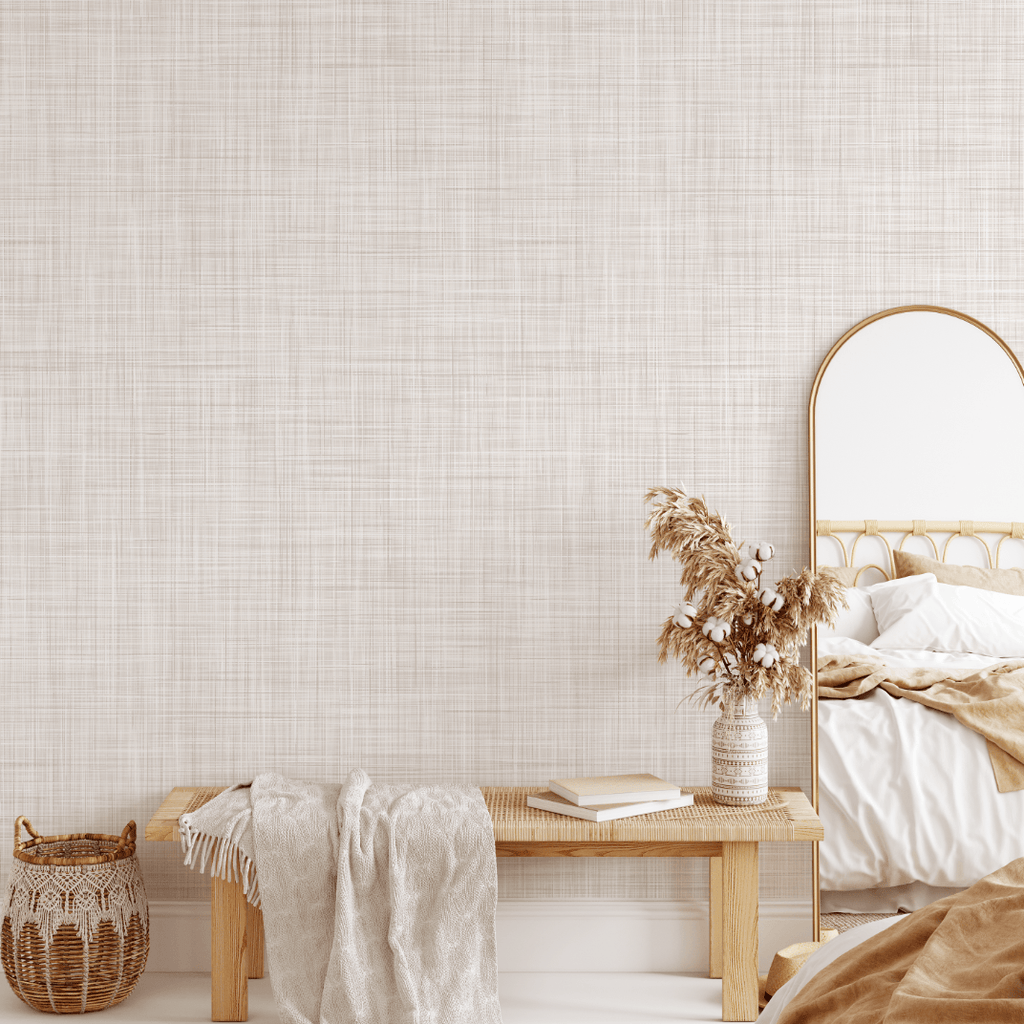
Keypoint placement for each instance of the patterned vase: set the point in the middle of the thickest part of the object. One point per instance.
(739, 755)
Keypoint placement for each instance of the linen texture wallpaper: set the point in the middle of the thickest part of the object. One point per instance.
(339, 342)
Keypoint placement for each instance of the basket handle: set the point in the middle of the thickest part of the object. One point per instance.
(127, 835)
(18, 844)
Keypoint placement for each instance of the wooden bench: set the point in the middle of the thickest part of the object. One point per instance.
(727, 836)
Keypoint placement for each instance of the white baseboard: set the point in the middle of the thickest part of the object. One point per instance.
(550, 936)
(179, 936)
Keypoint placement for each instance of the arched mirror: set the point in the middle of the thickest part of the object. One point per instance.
(917, 497)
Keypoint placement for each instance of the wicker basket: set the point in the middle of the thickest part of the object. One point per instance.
(76, 921)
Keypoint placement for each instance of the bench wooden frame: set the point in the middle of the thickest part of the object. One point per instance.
(728, 837)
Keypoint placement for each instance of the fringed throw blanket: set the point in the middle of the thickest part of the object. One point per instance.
(991, 702)
(958, 960)
(378, 901)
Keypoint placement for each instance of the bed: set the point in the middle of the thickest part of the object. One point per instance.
(827, 955)
(907, 793)
(958, 959)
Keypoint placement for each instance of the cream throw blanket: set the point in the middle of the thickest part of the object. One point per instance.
(378, 901)
(991, 702)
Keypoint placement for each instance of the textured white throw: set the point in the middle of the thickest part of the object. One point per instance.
(378, 901)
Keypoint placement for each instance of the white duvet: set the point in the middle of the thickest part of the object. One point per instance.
(906, 794)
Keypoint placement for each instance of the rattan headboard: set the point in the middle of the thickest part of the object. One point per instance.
(894, 535)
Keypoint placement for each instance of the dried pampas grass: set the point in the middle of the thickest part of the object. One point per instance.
(723, 583)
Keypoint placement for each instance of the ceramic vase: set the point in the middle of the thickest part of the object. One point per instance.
(739, 755)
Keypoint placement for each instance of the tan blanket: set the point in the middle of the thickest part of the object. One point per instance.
(958, 960)
(990, 702)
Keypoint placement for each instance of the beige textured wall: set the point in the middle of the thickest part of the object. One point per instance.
(340, 340)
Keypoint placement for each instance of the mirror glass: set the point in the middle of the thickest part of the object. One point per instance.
(915, 416)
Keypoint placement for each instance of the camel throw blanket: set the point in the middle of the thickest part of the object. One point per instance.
(991, 702)
(378, 901)
(959, 959)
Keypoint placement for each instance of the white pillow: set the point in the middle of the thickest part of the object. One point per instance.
(948, 618)
(893, 599)
(857, 621)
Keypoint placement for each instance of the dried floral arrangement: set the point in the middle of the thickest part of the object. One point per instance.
(740, 638)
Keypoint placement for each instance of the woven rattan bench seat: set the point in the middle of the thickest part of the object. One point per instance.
(786, 817)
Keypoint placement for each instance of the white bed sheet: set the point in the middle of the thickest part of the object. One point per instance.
(889, 900)
(906, 794)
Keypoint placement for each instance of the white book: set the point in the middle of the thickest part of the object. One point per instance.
(601, 790)
(553, 802)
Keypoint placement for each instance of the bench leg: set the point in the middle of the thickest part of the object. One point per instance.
(739, 931)
(254, 940)
(714, 917)
(229, 964)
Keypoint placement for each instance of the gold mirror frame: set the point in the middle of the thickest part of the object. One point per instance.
(916, 527)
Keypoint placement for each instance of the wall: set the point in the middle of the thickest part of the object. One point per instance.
(340, 342)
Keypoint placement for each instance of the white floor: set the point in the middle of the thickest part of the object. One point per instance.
(525, 999)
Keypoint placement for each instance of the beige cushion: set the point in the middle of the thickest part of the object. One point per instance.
(847, 573)
(857, 575)
(1003, 581)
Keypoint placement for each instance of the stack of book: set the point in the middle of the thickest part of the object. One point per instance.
(607, 797)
